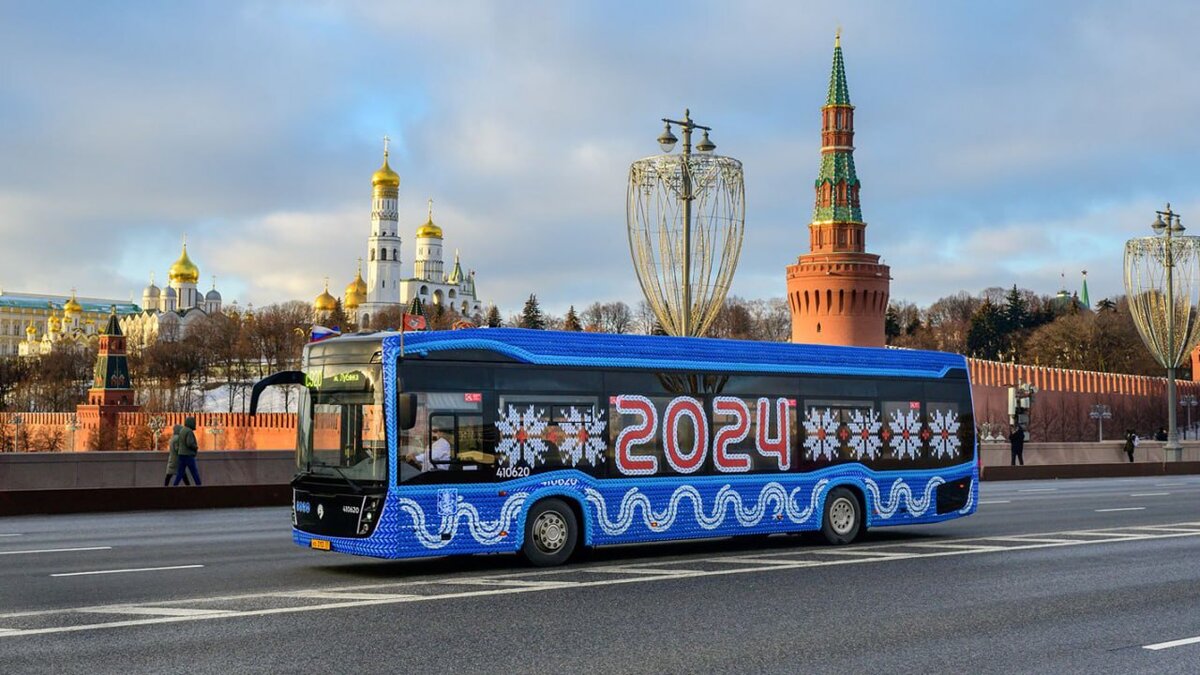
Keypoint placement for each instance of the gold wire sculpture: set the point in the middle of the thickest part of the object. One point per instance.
(1161, 276)
(685, 212)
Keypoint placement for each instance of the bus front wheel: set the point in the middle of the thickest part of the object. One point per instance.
(551, 533)
(843, 517)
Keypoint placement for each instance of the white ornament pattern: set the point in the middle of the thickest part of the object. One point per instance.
(820, 434)
(521, 436)
(864, 433)
(584, 440)
(906, 437)
(945, 433)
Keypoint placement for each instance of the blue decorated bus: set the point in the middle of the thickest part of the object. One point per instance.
(545, 442)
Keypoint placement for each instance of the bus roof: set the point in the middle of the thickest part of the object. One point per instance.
(560, 348)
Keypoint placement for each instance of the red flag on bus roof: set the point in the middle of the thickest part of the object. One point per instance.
(412, 322)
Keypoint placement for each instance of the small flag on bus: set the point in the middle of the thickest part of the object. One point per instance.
(319, 333)
(413, 322)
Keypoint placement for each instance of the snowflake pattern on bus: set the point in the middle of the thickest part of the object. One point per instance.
(944, 427)
(585, 433)
(864, 433)
(820, 437)
(521, 436)
(906, 433)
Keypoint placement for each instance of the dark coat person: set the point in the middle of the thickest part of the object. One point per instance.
(173, 458)
(1131, 442)
(1017, 438)
(187, 451)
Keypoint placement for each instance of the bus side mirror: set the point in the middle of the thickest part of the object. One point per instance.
(284, 377)
(406, 411)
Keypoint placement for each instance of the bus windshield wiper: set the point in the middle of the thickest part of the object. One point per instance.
(346, 478)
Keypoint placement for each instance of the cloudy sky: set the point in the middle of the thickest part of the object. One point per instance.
(997, 142)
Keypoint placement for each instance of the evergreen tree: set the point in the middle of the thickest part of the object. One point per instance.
(985, 339)
(571, 321)
(891, 323)
(1016, 311)
(531, 315)
(493, 319)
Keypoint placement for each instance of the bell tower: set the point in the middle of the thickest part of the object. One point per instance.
(837, 292)
(111, 392)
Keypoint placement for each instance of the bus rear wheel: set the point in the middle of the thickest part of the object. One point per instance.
(551, 533)
(843, 517)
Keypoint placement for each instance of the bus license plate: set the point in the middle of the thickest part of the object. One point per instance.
(320, 544)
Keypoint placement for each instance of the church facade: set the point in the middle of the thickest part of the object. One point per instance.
(33, 323)
(168, 313)
(386, 285)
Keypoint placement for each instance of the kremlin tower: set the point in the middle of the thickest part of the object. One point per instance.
(383, 246)
(837, 292)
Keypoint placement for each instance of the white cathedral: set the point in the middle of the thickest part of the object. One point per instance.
(167, 313)
(385, 285)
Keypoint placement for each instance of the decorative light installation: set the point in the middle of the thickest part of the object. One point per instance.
(685, 214)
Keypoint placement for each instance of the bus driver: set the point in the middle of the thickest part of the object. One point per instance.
(439, 452)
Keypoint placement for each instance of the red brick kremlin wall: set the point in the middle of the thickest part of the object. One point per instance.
(267, 431)
(1065, 399)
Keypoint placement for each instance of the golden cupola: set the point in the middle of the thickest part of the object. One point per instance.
(429, 229)
(385, 177)
(325, 302)
(30, 330)
(356, 291)
(72, 306)
(55, 323)
(184, 271)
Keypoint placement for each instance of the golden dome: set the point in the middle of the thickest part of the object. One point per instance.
(325, 302)
(55, 322)
(72, 306)
(356, 291)
(30, 330)
(385, 177)
(184, 270)
(429, 229)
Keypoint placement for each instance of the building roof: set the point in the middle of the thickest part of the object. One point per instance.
(57, 302)
(561, 348)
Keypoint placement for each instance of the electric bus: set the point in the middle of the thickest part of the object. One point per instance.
(544, 442)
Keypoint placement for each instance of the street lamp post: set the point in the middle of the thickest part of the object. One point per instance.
(1101, 412)
(156, 424)
(1161, 281)
(16, 422)
(685, 215)
(1188, 401)
(72, 426)
(215, 429)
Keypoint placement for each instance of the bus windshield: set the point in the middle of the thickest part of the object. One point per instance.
(342, 434)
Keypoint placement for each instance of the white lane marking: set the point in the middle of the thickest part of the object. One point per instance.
(1169, 484)
(1173, 643)
(155, 611)
(1126, 508)
(58, 550)
(1150, 494)
(10, 534)
(651, 574)
(1039, 490)
(332, 595)
(133, 569)
(995, 501)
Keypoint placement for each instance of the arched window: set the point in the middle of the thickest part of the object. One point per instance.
(383, 254)
(372, 255)
(395, 256)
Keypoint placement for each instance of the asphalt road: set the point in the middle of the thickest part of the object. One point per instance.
(1055, 576)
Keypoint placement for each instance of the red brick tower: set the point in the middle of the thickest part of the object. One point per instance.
(838, 292)
(111, 391)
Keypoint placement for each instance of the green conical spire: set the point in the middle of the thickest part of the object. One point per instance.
(839, 93)
(1087, 302)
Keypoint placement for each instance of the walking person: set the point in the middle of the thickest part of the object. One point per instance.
(173, 459)
(1017, 438)
(1131, 442)
(187, 451)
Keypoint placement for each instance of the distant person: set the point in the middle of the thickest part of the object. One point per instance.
(187, 452)
(1161, 434)
(1131, 442)
(173, 458)
(1017, 438)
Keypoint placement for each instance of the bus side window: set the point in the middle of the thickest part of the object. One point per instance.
(456, 441)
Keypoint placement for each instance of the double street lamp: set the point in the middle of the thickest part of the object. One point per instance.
(1101, 412)
(1188, 401)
